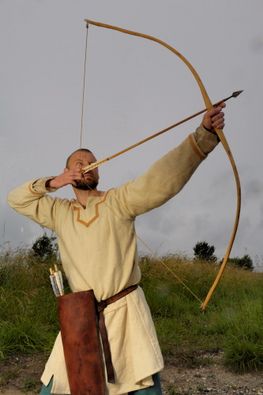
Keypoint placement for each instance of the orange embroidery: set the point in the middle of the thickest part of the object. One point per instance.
(196, 148)
(32, 190)
(87, 223)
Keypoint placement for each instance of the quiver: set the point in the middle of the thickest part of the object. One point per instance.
(81, 343)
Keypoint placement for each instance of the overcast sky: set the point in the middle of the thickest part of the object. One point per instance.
(135, 87)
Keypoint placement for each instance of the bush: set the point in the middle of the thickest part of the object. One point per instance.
(45, 247)
(244, 263)
(204, 252)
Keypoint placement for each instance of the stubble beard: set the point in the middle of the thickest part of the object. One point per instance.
(86, 185)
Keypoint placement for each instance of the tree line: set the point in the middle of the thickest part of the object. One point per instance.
(46, 247)
(203, 251)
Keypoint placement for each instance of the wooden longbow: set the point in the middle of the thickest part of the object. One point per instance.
(219, 132)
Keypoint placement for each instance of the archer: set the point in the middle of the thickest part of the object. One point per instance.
(97, 244)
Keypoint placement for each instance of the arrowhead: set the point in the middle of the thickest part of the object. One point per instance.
(237, 93)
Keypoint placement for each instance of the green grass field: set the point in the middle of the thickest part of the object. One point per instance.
(233, 321)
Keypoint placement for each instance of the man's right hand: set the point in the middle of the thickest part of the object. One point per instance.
(68, 177)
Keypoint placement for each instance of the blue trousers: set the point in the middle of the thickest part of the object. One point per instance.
(154, 390)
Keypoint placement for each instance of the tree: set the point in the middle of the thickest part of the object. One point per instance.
(245, 262)
(203, 251)
(45, 247)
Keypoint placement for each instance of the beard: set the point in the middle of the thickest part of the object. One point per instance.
(85, 185)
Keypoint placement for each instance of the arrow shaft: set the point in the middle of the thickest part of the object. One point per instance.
(152, 136)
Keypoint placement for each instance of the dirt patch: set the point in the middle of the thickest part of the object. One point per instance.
(21, 373)
(207, 375)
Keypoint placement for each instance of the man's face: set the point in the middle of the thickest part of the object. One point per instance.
(77, 161)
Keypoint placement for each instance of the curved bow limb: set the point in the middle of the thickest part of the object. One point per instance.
(164, 44)
(219, 132)
(234, 230)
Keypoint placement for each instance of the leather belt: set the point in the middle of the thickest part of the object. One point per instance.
(103, 331)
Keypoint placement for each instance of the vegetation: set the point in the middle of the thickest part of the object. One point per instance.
(204, 252)
(27, 306)
(232, 322)
(45, 247)
(245, 262)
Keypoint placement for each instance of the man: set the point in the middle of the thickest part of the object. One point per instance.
(97, 244)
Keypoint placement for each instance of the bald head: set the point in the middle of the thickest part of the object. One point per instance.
(78, 150)
(77, 161)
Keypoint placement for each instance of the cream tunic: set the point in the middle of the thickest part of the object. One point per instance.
(98, 250)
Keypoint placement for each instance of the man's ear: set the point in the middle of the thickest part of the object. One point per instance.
(65, 170)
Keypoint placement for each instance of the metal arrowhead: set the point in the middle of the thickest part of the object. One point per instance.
(237, 93)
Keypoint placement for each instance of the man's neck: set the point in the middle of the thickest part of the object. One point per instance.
(82, 196)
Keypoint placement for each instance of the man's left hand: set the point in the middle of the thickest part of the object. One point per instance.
(214, 118)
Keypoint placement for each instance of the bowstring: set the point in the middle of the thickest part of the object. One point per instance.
(81, 142)
(83, 89)
(159, 259)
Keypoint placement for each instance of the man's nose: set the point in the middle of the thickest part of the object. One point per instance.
(81, 166)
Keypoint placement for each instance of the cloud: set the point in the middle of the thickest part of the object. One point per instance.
(253, 189)
(133, 88)
(256, 44)
(16, 230)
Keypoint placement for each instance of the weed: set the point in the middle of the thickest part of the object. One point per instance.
(30, 384)
(7, 377)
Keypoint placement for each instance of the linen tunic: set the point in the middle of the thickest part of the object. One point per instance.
(98, 251)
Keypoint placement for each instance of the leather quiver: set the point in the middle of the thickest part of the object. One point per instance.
(81, 343)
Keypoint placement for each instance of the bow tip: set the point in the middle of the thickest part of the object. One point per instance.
(203, 306)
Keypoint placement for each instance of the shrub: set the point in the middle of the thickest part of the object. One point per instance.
(203, 251)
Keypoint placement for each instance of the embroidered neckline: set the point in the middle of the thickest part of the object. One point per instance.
(95, 216)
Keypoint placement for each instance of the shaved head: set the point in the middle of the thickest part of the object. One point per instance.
(77, 150)
(79, 159)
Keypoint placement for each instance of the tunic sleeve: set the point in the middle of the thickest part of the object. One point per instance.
(166, 177)
(31, 200)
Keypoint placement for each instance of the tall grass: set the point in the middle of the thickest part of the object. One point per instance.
(232, 322)
(27, 307)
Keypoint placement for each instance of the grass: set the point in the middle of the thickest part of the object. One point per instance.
(25, 300)
(232, 322)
